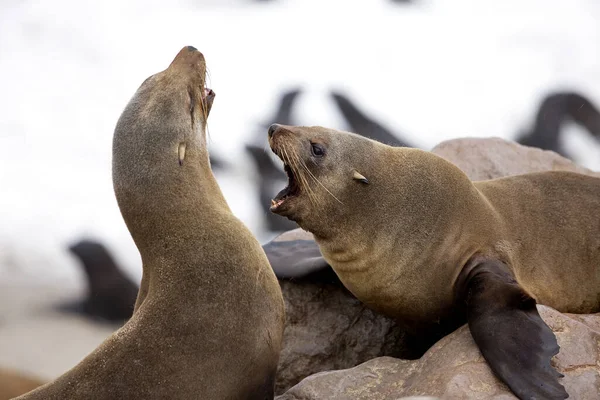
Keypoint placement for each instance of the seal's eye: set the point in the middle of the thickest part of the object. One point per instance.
(317, 150)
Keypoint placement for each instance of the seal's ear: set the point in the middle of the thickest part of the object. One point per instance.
(294, 258)
(359, 177)
(511, 335)
(181, 152)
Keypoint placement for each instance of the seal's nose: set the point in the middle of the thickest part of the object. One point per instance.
(192, 48)
(272, 129)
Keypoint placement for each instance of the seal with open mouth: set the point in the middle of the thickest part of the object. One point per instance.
(208, 320)
(412, 237)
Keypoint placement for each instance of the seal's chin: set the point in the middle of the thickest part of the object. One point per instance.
(290, 191)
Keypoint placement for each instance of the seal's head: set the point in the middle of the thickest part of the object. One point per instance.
(182, 83)
(168, 111)
(160, 154)
(327, 171)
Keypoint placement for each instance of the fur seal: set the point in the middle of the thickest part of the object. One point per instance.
(412, 237)
(545, 134)
(111, 294)
(209, 316)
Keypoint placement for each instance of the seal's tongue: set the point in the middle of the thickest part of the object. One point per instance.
(208, 93)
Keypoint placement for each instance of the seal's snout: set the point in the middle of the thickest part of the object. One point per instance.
(189, 56)
(272, 129)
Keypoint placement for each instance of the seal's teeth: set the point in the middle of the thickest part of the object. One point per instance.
(181, 152)
(273, 203)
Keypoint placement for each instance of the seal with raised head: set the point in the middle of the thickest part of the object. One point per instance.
(412, 237)
(209, 317)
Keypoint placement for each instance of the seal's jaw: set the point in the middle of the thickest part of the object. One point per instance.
(291, 191)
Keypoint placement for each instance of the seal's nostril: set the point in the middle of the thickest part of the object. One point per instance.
(272, 129)
(192, 48)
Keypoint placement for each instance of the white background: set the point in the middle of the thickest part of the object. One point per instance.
(434, 71)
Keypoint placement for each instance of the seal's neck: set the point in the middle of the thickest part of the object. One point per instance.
(165, 201)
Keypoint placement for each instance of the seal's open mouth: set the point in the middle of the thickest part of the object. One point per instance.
(207, 98)
(291, 190)
(208, 93)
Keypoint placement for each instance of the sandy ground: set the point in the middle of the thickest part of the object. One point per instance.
(36, 338)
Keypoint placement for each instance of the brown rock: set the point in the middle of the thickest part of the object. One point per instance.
(294, 234)
(327, 328)
(488, 158)
(454, 369)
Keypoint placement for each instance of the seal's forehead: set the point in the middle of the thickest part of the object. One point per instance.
(328, 134)
(317, 134)
(315, 131)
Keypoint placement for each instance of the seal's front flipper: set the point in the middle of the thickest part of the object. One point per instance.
(294, 258)
(511, 335)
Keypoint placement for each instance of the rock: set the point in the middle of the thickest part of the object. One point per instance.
(488, 158)
(328, 328)
(294, 234)
(454, 369)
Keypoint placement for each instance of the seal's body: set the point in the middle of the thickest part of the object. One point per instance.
(509, 219)
(209, 316)
(412, 237)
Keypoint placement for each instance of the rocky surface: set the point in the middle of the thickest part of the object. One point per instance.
(454, 369)
(327, 328)
(488, 158)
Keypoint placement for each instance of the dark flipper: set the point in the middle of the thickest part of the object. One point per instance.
(284, 112)
(511, 335)
(111, 294)
(365, 126)
(294, 258)
(283, 115)
(553, 111)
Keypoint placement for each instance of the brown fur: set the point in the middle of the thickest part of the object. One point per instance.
(400, 241)
(13, 384)
(209, 318)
